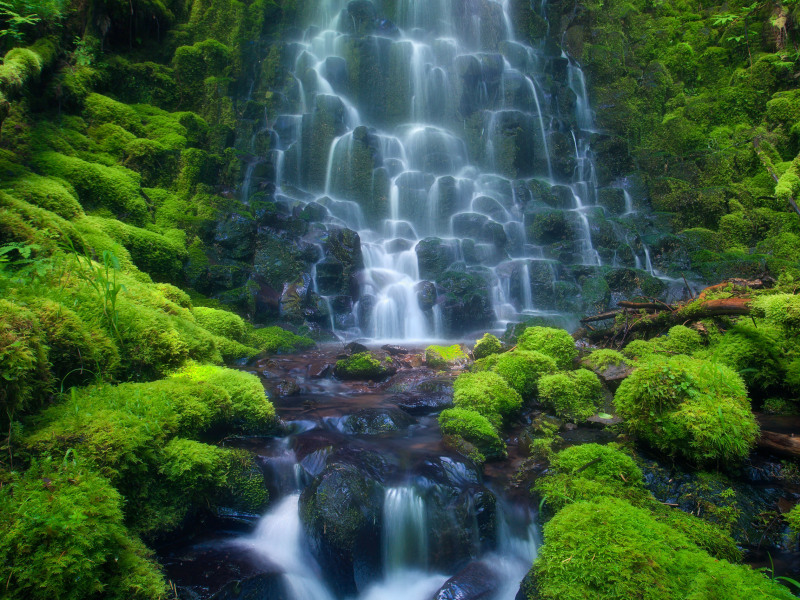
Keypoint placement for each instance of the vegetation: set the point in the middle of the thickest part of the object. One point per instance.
(486, 346)
(574, 395)
(523, 370)
(487, 394)
(364, 365)
(440, 357)
(555, 343)
(475, 428)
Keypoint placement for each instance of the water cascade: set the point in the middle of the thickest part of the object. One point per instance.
(472, 186)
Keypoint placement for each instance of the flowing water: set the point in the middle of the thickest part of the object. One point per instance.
(431, 172)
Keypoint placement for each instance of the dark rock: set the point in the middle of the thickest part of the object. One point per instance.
(264, 586)
(475, 582)
(612, 375)
(355, 347)
(314, 212)
(286, 388)
(422, 404)
(375, 421)
(394, 350)
(426, 295)
(320, 372)
(469, 225)
(467, 304)
(336, 73)
(434, 256)
(372, 366)
(398, 245)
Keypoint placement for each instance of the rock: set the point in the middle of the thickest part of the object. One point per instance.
(264, 586)
(375, 421)
(355, 348)
(434, 256)
(422, 404)
(342, 247)
(394, 350)
(612, 375)
(467, 304)
(476, 581)
(320, 372)
(372, 366)
(286, 388)
(468, 450)
(441, 357)
(336, 73)
(426, 295)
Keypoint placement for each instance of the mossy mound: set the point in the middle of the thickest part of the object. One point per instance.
(486, 346)
(523, 369)
(600, 360)
(689, 407)
(276, 340)
(442, 357)
(555, 343)
(365, 365)
(475, 429)
(574, 395)
(488, 394)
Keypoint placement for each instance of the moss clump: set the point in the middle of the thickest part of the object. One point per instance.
(220, 322)
(573, 395)
(474, 428)
(690, 407)
(555, 343)
(440, 357)
(488, 394)
(793, 518)
(275, 340)
(63, 537)
(49, 193)
(600, 360)
(679, 340)
(609, 549)
(363, 365)
(486, 346)
(522, 370)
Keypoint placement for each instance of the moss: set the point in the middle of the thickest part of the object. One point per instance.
(275, 340)
(488, 394)
(689, 407)
(756, 352)
(600, 360)
(610, 549)
(781, 310)
(363, 365)
(440, 357)
(474, 428)
(174, 294)
(251, 411)
(244, 489)
(221, 322)
(63, 536)
(98, 186)
(555, 343)
(55, 195)
(573, 395)
(486, 346)
(679, 340)
(793, 518)
(23, 360)
(102, 109)
(523, 369)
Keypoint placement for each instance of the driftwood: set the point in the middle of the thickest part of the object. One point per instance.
(778, 443)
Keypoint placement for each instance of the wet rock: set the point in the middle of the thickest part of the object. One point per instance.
(527, 588)
(467, 305)
(355, 348)
(422, 404)
(336, 73)
(372, 366)
(475, 582)
(313, 212)
(426, 295)
(398, 245)
(366, 307)
(375, 421)
(286, 388)
(469, 225)
(612, 199)
(434, 256)
(235, 237)
(612, 375)
(265, 586)
(320, 371)
(394, 350)
(342, 258)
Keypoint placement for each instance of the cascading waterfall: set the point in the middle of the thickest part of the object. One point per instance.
(405, 536)
(428, 174)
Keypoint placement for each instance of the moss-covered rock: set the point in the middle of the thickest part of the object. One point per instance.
(475, 429)
(574, 395)
(555, 343)
(488, 394)
(365, 365)
(523, 369)
(442, 357)
(485, 346)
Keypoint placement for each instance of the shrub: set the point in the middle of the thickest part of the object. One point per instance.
(221, 322)
(62, 537)
(486, 346)
(691, 407)
(363, 365)
(274, 340)
(555, 343)
(609, 549)
(486, 393)
(523, 369)
(440, 357)
(474, 428)
(573, 395)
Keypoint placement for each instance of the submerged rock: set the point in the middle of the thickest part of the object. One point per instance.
(476, 581)
(374, 421)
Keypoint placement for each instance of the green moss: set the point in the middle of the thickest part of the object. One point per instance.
(63, 536)
(51, 194)
(488, 394)
(221, 322)
(362, 365)
(555, 343)
(440, 357)
(275, 340)
(102, 109)
(474, 428)
(679, 340)
(756, 352)
(610, 549)
(523, 369)
(175, 295)
(574, 395)
(600, 360)
(486, 346)
(793, 518)
(689, 407)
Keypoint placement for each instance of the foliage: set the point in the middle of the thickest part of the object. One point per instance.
(488, 394)
(555, 343)
(573, 395)
(486, 346)
(439, 357)
(63, 537)
(690, 407)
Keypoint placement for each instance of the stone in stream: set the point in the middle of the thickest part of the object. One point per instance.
(264, 586)
(355, 347)
(476, 581)
(422, 404)
(374, 421)
(365, 366)
(394, 350)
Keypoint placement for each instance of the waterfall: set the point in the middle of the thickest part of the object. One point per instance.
(279, 539)
(405, 537)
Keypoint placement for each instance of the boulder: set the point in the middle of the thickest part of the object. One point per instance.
(375, 421)
(476, 581)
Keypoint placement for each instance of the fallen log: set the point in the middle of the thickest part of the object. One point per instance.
(645, 305)
(602, 316)
(778, 443)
